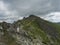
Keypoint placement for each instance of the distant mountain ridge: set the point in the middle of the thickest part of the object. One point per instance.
(31, 30)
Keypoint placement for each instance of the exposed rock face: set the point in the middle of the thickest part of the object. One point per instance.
(23, 38)
(29, 31)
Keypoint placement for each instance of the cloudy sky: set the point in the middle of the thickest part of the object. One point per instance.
(12, 10)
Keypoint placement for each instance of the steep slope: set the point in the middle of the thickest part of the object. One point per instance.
(39, 27)
(5, 37)
(30, 31)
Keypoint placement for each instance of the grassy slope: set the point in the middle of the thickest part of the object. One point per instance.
(34, 30)
(32, 26)
(8, 39)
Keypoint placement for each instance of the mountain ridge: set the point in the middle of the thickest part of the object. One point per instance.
(31, 30)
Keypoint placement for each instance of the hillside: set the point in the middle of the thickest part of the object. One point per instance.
(30, 31)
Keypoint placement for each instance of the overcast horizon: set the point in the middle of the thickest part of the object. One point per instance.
(12, 10)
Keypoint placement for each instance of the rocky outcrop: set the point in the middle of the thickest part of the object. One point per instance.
(29, 31)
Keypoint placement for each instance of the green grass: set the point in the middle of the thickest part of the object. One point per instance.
(35, 31)
(8, 39)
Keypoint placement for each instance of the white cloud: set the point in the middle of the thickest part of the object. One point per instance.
(3, 8)
(53, 17)
(6, 14)
(12, 10)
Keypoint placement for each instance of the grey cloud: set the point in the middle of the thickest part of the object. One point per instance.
(37, 7)
(33, 5)
(40, 7)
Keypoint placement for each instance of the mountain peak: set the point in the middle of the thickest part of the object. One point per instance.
(32, 31)
(32, 15)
